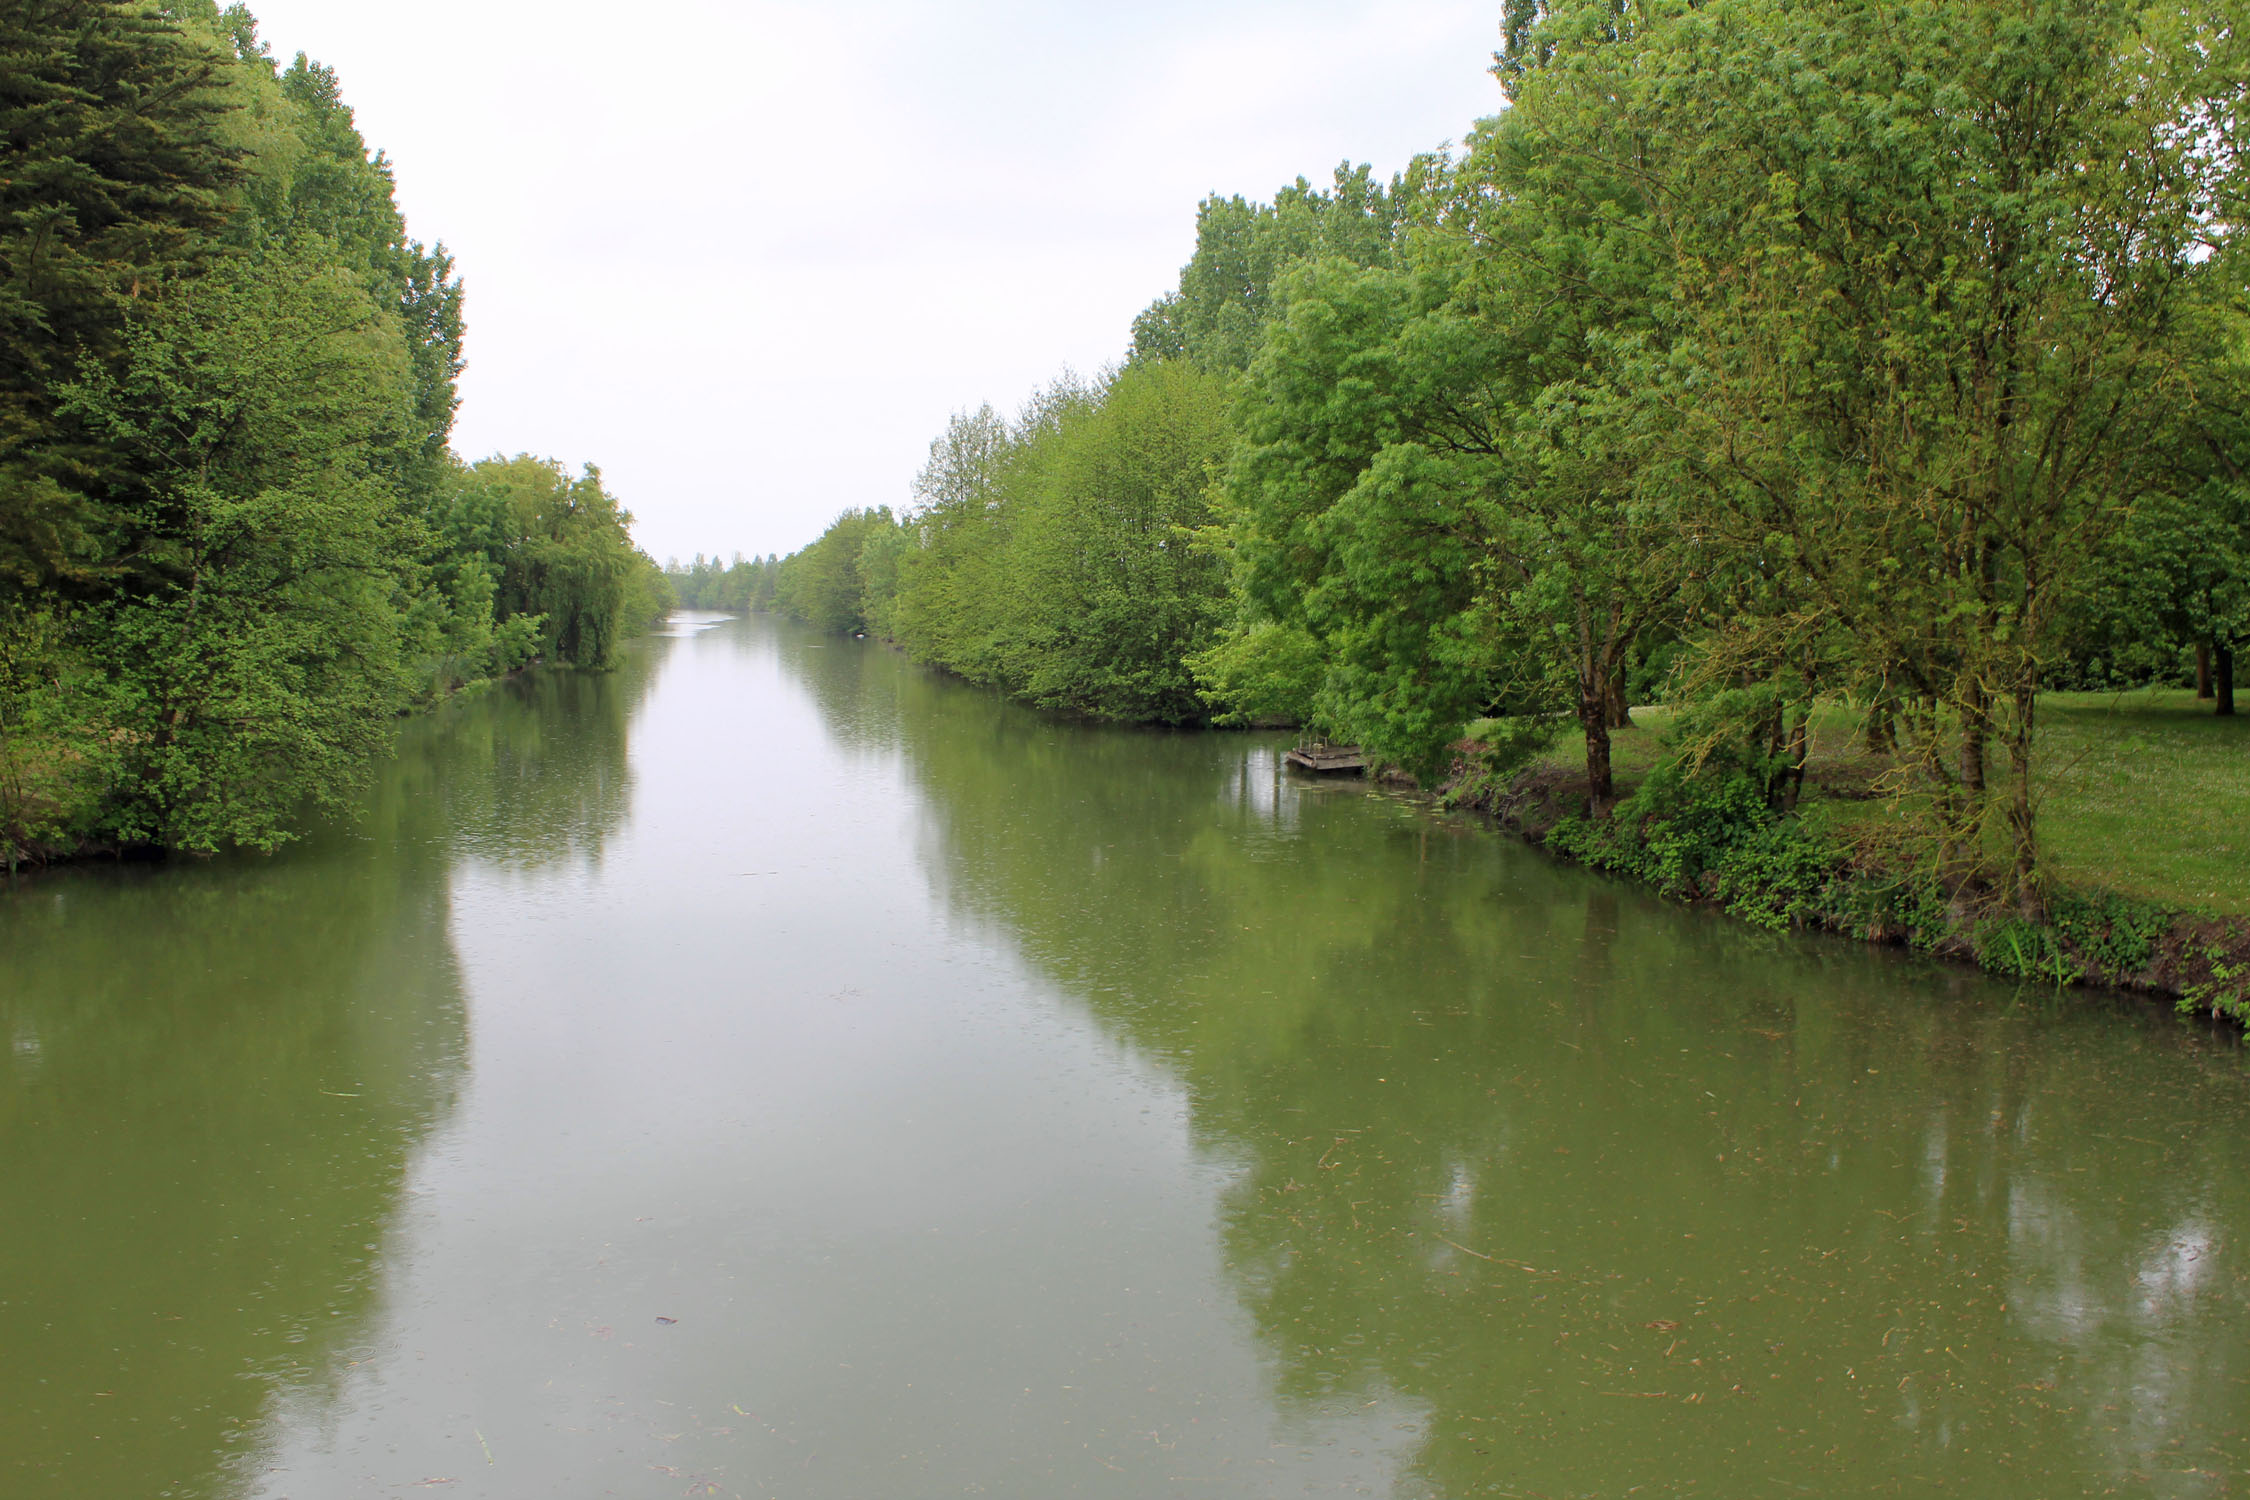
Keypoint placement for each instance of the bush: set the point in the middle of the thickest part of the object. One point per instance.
(2117, 937)
(1783, 875)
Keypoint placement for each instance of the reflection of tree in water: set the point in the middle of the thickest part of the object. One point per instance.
(527, 772)
(217, 1077)
(1620, 1195)
(857, 685)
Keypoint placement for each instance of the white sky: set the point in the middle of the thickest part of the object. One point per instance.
(747, 256)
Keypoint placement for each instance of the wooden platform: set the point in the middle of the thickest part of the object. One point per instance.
(1326, 759)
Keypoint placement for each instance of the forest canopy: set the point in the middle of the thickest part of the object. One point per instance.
(234, 538)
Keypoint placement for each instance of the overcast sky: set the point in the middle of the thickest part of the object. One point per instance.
(747, 257)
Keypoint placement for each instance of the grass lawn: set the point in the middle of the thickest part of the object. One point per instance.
(2146, 793)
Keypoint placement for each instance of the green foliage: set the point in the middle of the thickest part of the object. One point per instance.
(1217, 316)
(1782, 875)
(2015, 947)
(560, 550)
(1058, 557)
(1490, 759)
(1713, 834)
(882, 553)
(743, 584)
(54, 745)
(1108, 595)
(822, 584)
(2114, 935)
(233, 541)
(648, 597)
(1672, 831)
(249, 653)
(2225, 989)
(115, 174)
(1458, 522)
(1261, 672)
(1759, 341)
(1915, 245)
(2175, 578)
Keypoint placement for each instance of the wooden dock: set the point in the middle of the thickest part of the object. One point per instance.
(1326, 760)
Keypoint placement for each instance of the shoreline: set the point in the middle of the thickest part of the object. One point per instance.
(2196, 961)
(23, 862)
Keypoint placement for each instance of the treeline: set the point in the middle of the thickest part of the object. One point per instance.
(1055, 555)
(740, 584)
(1761, 351)
(234, 541)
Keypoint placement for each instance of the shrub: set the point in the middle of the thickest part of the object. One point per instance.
(1783, 875)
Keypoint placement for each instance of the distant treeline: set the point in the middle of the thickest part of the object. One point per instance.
(234, 541)
(1760, 351)
(707, 583)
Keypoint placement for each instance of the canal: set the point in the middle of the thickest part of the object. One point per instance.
(770, 1070)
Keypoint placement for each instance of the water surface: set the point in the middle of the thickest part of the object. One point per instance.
(772, 1071)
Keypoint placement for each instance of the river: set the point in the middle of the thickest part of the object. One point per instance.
(770, 1070)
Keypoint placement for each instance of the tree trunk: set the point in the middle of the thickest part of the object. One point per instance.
(2203, 669)
(1800, 753)
(2022, 832)
(1957, 791)
(1975, 729)
(1620, 712)
(1879, 732)
(1593, 717)
(2223, 675)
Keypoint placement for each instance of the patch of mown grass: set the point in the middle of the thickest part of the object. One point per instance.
(2145, 793)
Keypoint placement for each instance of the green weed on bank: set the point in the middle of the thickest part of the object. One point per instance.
(2144, 799)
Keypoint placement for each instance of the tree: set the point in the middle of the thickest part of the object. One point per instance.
(1449, 476)
(821, 584)
(1345, 526)
(1108, 596)
(1934, 257)
(948, 577)
(247, 650)
(233, 538)
(560, 550)
(115, 174)
(1215, 318)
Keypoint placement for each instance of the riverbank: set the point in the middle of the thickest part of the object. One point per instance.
(51, 791)
(2141, 812)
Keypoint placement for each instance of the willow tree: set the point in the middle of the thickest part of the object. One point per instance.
(560, 552)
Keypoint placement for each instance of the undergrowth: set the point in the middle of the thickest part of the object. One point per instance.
(1714, 838)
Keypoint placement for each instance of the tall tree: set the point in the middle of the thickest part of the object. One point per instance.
(249, 654)
(115, 174)
(1936, 254)
(1216, 316)
(1450, 476)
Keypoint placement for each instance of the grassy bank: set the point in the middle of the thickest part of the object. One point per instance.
(2144, 805)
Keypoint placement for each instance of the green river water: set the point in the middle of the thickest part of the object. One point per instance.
(770, 1070)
